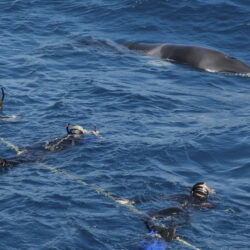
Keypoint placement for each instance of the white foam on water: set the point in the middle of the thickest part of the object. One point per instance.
(159, 63)
(8, 118)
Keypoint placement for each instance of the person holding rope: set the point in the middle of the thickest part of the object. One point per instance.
(160, 234)
(156, 221)
(37, 152)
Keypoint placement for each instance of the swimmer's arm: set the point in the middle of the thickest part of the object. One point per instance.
(94, 132)
(125, 201)
(7, 163)
(87, 132)
(137, 200)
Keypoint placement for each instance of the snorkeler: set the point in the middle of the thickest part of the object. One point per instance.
(5, 118)
(1, 101)
(74, 137)
(174, 216)
(37, 152)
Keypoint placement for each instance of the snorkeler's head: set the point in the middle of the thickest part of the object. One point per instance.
(200, 191)
(77, 130)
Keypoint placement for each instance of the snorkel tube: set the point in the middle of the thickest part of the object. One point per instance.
(67, 128)
(200, 191)
(3, 95)
(76, 130)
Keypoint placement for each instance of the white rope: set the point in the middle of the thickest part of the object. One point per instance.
(94, 187)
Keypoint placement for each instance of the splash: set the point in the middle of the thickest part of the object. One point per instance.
(8, 118)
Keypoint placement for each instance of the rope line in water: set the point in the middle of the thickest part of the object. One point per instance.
(10, 145)
(186, 243)
(94, 187)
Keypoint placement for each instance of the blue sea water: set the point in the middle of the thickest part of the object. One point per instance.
(163, 126)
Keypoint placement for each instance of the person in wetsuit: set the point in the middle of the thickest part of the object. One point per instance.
(175, 215)
(1, 101)
(5, 118)
(38, 152)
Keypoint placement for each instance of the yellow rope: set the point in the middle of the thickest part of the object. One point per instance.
(10, 145)
(99, 191)
(186, 243)
(94, 187)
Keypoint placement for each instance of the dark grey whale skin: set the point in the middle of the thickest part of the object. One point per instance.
(196, 57)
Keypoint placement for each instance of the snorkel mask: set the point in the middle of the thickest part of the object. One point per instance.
(200, 191)
(76, 130)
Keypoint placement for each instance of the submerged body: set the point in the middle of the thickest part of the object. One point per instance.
(162, 224)
(196, 57)
(39, 152)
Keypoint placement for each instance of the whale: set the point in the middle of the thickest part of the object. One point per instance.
(197, 57)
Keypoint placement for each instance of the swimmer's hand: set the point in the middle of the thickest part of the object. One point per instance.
(95, 132)
(125, 201)
(211, 191)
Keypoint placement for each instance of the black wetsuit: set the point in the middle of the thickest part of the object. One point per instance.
(172, 216)
(39, 152)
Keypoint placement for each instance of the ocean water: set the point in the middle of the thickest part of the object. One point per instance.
(163, 127)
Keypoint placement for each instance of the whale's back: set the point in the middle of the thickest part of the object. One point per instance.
(197, 57)
(203, 58)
